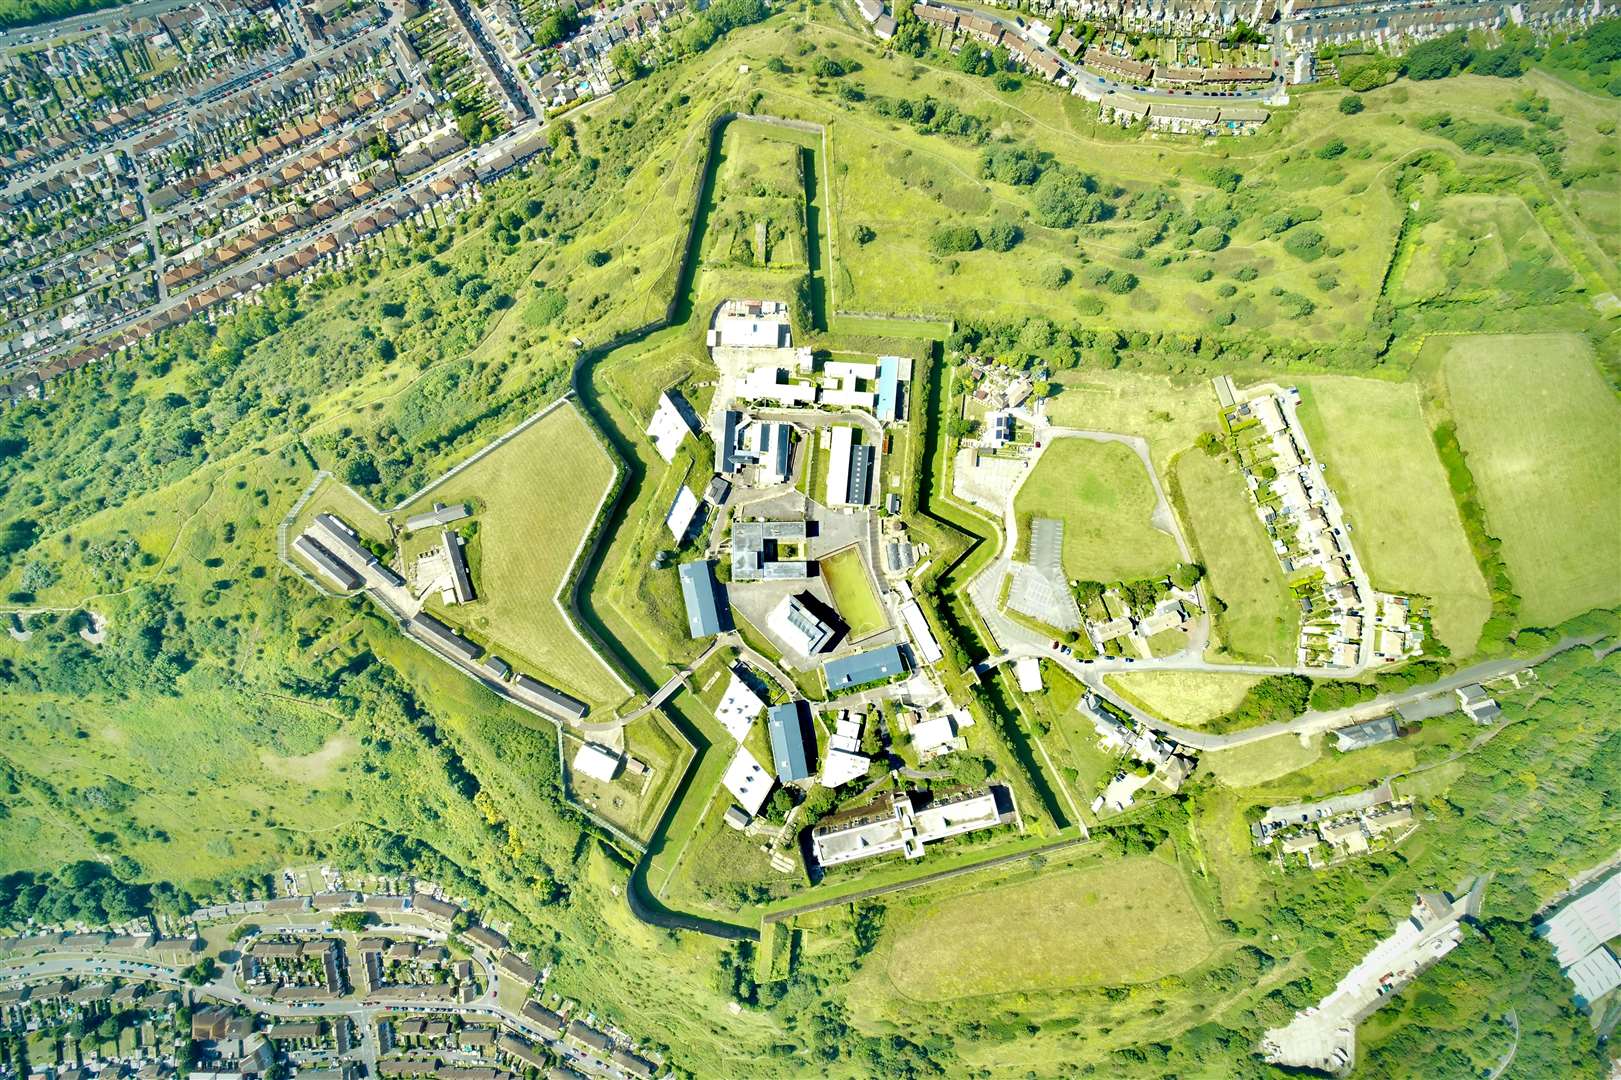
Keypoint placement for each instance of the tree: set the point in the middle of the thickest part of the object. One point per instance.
(17, 535)
(1067, 197)
(1186, 575)
(1439, 57)
(626, 61)
(1350, 105)
(1003, 236)
(953, 239)
(828, 68)
(863, 234)
(352, 921)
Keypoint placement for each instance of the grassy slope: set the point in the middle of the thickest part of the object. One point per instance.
(1184, 697)
(1261, 620)
(528, 533)
(1101, 494)
(1381, 461)
(1543, 434)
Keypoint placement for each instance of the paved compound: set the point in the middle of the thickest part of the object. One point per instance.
(1040, 589)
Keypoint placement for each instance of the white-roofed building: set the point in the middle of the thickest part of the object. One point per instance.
(1578, 932)
(739, 708)
(682, 511)
(597, 761)
(839, 767)
(937, 735)
(670, 425)
(1027, 672)
(923, 640)
(748, 781)
(838, 464)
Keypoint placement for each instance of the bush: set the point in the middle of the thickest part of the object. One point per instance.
(1210, 238)
(1122, 282)
(1010, 165)
(1054, 276)
(1305, 242)
(863, 234)
(1439, 58)
(1003, 236)
(954, 238)
(598, 258)
(1246, 273)
(828, 68)
(1066, 198)
(1350, 105)
(1332, 149)
(1224, 177)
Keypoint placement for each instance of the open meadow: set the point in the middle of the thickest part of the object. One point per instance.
(1380, 459)
(1189, 698)
(1542, 434)
(1101, 493)
(1260, 621)
(1127, 921)
(530, 534)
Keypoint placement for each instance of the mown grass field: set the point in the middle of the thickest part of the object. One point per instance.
(1189, 698)
(540, 493)
(1376, 445)
(1257, 762)
(1128, 921)
(1168, 413)
(1261, 620)
(1105, 500)
(1542, 433)
(846, 579)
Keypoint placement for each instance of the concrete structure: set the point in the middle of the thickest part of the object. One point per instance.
(748, 781)
(874, 665)
(786, 726)
(739, 708)
(750, 324)
(798, 627)
(708, 613)
(1027, 672)
(839, 767)
(899, 822)
(461, 584)
(672, 421)
(548, 700)
(757, 551)
(335, 571)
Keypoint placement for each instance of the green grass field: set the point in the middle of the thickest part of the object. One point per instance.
(1103, 496)
(1261, 620)
(1169, 413)
(1542, 432)
(1481, 246)
(1380, 457)
(759, 195)
(1190, 698)
(846, 579)
(1127, 921)
(528, 537)
(1258, 762)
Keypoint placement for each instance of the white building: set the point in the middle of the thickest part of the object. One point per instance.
(670, 425)
(597, 761)
(682, 511)
(798, 627)
(739, 708)
(1027, 671)
(748, 782)
(928, 649)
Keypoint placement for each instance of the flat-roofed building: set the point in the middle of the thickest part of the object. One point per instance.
(682, 511)
(892, 372)
(739, 707)
(748, 781)
(672, 421)
(923, 639)
(757, 551)
(841, 444)
(897, 823)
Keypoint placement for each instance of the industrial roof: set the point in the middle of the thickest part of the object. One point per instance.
(707, 611)
(862, 668)
(788, 742)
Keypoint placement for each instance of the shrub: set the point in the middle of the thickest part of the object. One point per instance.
(1003, 236)
(1305, 242)
(1054, 276)
(1066, 198)
(1226, 289)
(598, 258)
(954, 238)
(1210, 238)
(1332, 149)
(828, 68)
(1224, 177)
(1122, 282)
(1246, 273)
(1350, 105)
(863, 234)
(1009, 165)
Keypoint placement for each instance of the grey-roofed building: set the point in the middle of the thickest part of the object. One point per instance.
(871, 666)
(708, 613)
(546, 1020)
(588, 1036)
(1367, 733)
(787, 728)
(543, 697)
(1578, 932)
(460, 583)
(755, 550)
(345, 541)
(726, 461)
(518, 968)
(332, 569)
(497, 667)
(439, 515)
(442, 638)
(861, 459)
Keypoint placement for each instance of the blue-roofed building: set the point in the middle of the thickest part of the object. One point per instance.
(726, 461)
(892, 370)
(787, 727)
(874, 665)
(708, 613)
